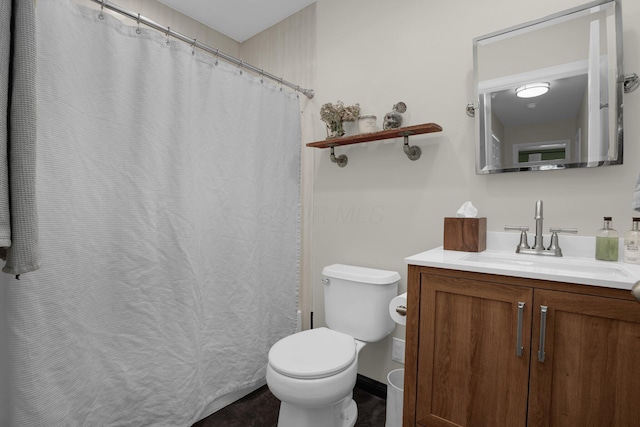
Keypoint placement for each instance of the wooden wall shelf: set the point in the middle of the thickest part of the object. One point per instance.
(413, 152)
(377, 136)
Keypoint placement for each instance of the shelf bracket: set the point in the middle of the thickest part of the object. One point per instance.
(413, 152)
(341, 160)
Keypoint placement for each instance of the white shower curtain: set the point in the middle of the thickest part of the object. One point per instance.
(168, 201)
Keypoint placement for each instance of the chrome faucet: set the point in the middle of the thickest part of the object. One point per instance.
(538, 246)
(537, 242)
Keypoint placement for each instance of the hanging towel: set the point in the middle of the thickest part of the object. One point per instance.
(18, 214)
(5, 47)
(635, 203)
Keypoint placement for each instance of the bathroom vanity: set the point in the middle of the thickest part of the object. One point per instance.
(501, 339)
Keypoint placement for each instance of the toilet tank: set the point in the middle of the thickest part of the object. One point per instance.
(356, 300)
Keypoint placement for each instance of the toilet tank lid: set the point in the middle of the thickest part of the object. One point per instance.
(361, 274)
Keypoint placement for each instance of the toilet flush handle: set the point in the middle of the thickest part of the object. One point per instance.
(326, 281)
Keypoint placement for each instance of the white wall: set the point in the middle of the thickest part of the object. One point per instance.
(377, 53)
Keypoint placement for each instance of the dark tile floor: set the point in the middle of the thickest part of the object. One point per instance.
(260, 409)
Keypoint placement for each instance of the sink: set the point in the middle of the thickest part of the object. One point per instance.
(577, 266)
(563, 266)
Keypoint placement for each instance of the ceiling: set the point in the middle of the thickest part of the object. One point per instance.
(238, 19)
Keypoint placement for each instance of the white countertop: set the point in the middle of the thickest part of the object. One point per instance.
(578, 265)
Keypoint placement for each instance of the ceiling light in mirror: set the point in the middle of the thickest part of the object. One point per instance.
(532, 90)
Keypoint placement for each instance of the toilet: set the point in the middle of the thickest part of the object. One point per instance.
(313, 372)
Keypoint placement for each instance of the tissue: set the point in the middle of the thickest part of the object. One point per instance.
(467, 210)
(399, 301)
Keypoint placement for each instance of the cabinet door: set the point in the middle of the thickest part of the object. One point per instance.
(589, 374)
(472, 371)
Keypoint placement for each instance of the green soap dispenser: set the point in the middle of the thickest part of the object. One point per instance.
(607, 242)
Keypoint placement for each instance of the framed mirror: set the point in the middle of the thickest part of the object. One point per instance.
(548, 93)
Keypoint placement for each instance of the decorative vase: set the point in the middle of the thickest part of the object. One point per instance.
(335, 129)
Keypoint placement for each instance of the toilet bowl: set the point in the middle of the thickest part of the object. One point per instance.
(313, 372)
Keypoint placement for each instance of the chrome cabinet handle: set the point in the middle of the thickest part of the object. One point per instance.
(543, 332)
(519, 347)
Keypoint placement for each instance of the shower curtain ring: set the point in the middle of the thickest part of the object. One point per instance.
(281, 80)
(100, 15)
(261, 76)
(216, 55)
(241, 65)
(168, 31)
(138, 29)
(193, 47)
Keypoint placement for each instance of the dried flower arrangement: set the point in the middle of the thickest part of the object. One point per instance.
(335, 115)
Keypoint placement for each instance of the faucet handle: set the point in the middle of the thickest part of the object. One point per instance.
(563, 230)
(554, 246)
(523, 235)
(523, 228)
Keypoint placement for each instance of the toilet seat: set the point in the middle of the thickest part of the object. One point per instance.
(316, 353)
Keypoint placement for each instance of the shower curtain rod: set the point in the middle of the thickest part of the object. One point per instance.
(309, 93)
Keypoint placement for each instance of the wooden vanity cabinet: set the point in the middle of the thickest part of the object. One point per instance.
(473, 343)
(590, 375)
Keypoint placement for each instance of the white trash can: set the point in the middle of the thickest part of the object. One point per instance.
(395, 390)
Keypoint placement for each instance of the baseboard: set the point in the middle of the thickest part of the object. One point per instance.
(371, 386)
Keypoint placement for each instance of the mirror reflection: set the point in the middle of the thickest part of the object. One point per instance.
(549, 92)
